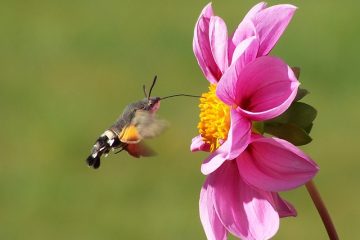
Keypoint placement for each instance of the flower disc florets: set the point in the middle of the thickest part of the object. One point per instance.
(214, 119)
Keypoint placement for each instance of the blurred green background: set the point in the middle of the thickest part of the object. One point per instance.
(67, 69)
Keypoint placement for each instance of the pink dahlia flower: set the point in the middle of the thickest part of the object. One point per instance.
(245, 169)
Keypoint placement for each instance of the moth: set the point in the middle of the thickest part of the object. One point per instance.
(137, 122)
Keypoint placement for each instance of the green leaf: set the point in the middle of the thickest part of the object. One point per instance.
(296, 71)
(299, 114)
(294, 125)
(258, 127)
(301, 93)
(308, 128)
(289, 132)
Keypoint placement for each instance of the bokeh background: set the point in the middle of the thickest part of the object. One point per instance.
(67, 69)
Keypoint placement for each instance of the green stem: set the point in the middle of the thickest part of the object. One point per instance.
(324, 214)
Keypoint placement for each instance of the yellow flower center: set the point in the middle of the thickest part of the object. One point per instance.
(214, 122)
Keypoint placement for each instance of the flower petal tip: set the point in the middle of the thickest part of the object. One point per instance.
(197, 144)
(207, 11)
(213, 162)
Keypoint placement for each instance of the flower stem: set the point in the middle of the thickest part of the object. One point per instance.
(320, 206)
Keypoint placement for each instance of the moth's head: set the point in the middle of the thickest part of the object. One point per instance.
(153, 104)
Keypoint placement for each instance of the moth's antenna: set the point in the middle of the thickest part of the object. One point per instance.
(144, 89)
(180, 95)
(152, 85)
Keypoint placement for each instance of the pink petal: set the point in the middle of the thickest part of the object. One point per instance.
(237, 141)
(265, 88)
(201, 46)
(284, 208)
(245, 30)
(207, 11)
(246, 27)
(270, 24)
(244, 53)
(219, 42)
(274, 164)
(255, 10)
(213, 228)
(197, 144)
(244, 211)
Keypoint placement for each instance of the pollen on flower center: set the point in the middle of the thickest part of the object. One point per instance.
(214, 122)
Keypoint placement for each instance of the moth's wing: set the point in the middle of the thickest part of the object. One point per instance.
(130, 134)
(147, 124)
(143, 125)
(139, 150)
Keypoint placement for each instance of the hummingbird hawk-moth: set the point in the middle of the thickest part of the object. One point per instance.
(138, 121)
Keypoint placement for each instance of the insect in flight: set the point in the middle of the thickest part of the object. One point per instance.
(137, 122)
